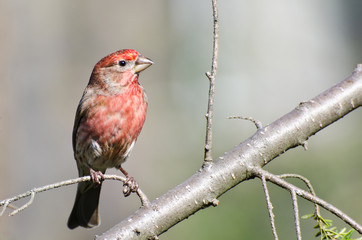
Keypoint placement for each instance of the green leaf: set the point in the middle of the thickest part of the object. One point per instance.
(348, 234)
(308, 216)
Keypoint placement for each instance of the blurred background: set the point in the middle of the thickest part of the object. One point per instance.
(273, 55)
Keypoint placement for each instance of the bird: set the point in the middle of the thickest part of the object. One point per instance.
(108, 121)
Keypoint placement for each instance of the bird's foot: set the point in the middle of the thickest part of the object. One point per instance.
(96, 176)
(129, 186)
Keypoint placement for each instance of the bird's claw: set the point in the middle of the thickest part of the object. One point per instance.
(96, 176)
(129, 186)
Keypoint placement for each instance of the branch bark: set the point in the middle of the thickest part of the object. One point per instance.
(212, 77)
(204, 187)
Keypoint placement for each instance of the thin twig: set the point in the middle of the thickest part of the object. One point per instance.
(270, 207)
(259, 172)
(212, 76)
(296, 214)
(311, 190)
(5, 203)
(32, 196)
(257, 123)
(144, 200)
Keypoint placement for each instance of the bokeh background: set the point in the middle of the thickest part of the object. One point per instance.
(273, 54)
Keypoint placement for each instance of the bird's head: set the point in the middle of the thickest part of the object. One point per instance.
(119, 69)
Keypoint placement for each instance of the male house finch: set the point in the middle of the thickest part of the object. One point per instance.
(109, 118)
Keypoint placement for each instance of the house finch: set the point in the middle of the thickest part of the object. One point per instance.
(109, 118)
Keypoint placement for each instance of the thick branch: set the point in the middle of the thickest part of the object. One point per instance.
(202, 189)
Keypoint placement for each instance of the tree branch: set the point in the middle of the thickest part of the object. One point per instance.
(257, 123)
(204, 187)
(211, 76)
(296, 214)
(309, 186)
(5, 203)
(269, 206)
(259, 172)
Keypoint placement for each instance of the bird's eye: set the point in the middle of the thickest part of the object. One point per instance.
(122, 63)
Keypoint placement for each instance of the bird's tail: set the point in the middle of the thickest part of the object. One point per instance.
(85, 209)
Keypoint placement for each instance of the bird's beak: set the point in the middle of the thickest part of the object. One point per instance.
(142, 63)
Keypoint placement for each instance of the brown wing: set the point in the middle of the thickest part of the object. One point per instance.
(79, 115)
